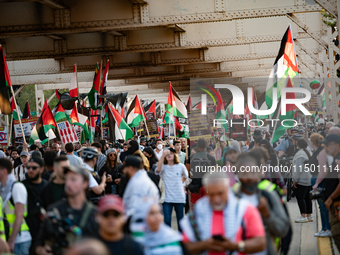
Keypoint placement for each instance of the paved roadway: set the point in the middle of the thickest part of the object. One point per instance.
(303, 241)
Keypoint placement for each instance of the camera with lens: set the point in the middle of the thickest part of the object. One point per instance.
(318, 193)
(118, 145)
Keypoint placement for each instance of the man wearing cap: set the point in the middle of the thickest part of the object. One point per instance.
(76, 211)
(332, 185)
(34, 185)
(139, 185)
(20, 171)
(111, 219)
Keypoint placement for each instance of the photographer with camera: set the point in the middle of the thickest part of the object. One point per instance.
(68, 220)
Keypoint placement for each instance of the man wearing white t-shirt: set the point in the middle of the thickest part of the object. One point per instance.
(90, 155)
(159, 149)
(14, 196)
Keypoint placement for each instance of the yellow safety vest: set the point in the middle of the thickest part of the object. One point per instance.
(10, 216)
(2, 225)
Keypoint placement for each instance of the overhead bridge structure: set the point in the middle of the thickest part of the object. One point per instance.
(152, 42)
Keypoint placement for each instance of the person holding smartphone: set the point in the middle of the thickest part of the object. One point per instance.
(172, 171)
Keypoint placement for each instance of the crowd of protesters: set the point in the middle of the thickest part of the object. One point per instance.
(119, 198)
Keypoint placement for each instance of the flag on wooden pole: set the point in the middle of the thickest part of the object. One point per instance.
(5, 82)
(27, 113)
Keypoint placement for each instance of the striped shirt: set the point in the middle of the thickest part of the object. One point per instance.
(172, 177)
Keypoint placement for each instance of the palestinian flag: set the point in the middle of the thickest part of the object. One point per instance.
(290, 112)
(220, 111)
(285, 66)
(59, 113)
(230, 109)
(135, 113)
(117, 125)
(42, 131)
(197, 106)
(94, 92)
(106, 117)
(92, 128)
(73, 116)
(103, 85)
(151, 108)
(27, 112)
(256, 106)
(175, 105)
(5, 82)
(73, 88)
(189, 104)
(16, 112)
(122, 112)
(85, 134)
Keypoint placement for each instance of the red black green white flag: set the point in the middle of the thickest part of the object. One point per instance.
(73, 88)
(151, 108)
(288, 118)
(16, 112)
(285, 67)
(5, 82)
(43, 130)
(94, 92)
(175, 105)
(119, 129)
(135, 113)
(27, 113)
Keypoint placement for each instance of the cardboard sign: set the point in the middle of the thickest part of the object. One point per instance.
(315, 103)
(238, 131)
(211, 112)
(3, 136)
(27, 126)
(67, 132)
(152, 127)
(199, 126)
(185, 124)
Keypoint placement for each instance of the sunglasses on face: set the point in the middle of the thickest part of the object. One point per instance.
(110, 155)
(107, 214)
(32, 167)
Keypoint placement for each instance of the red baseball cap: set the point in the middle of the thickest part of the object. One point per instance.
(110, 202)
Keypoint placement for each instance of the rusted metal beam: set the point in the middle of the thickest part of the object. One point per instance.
(305, 28)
